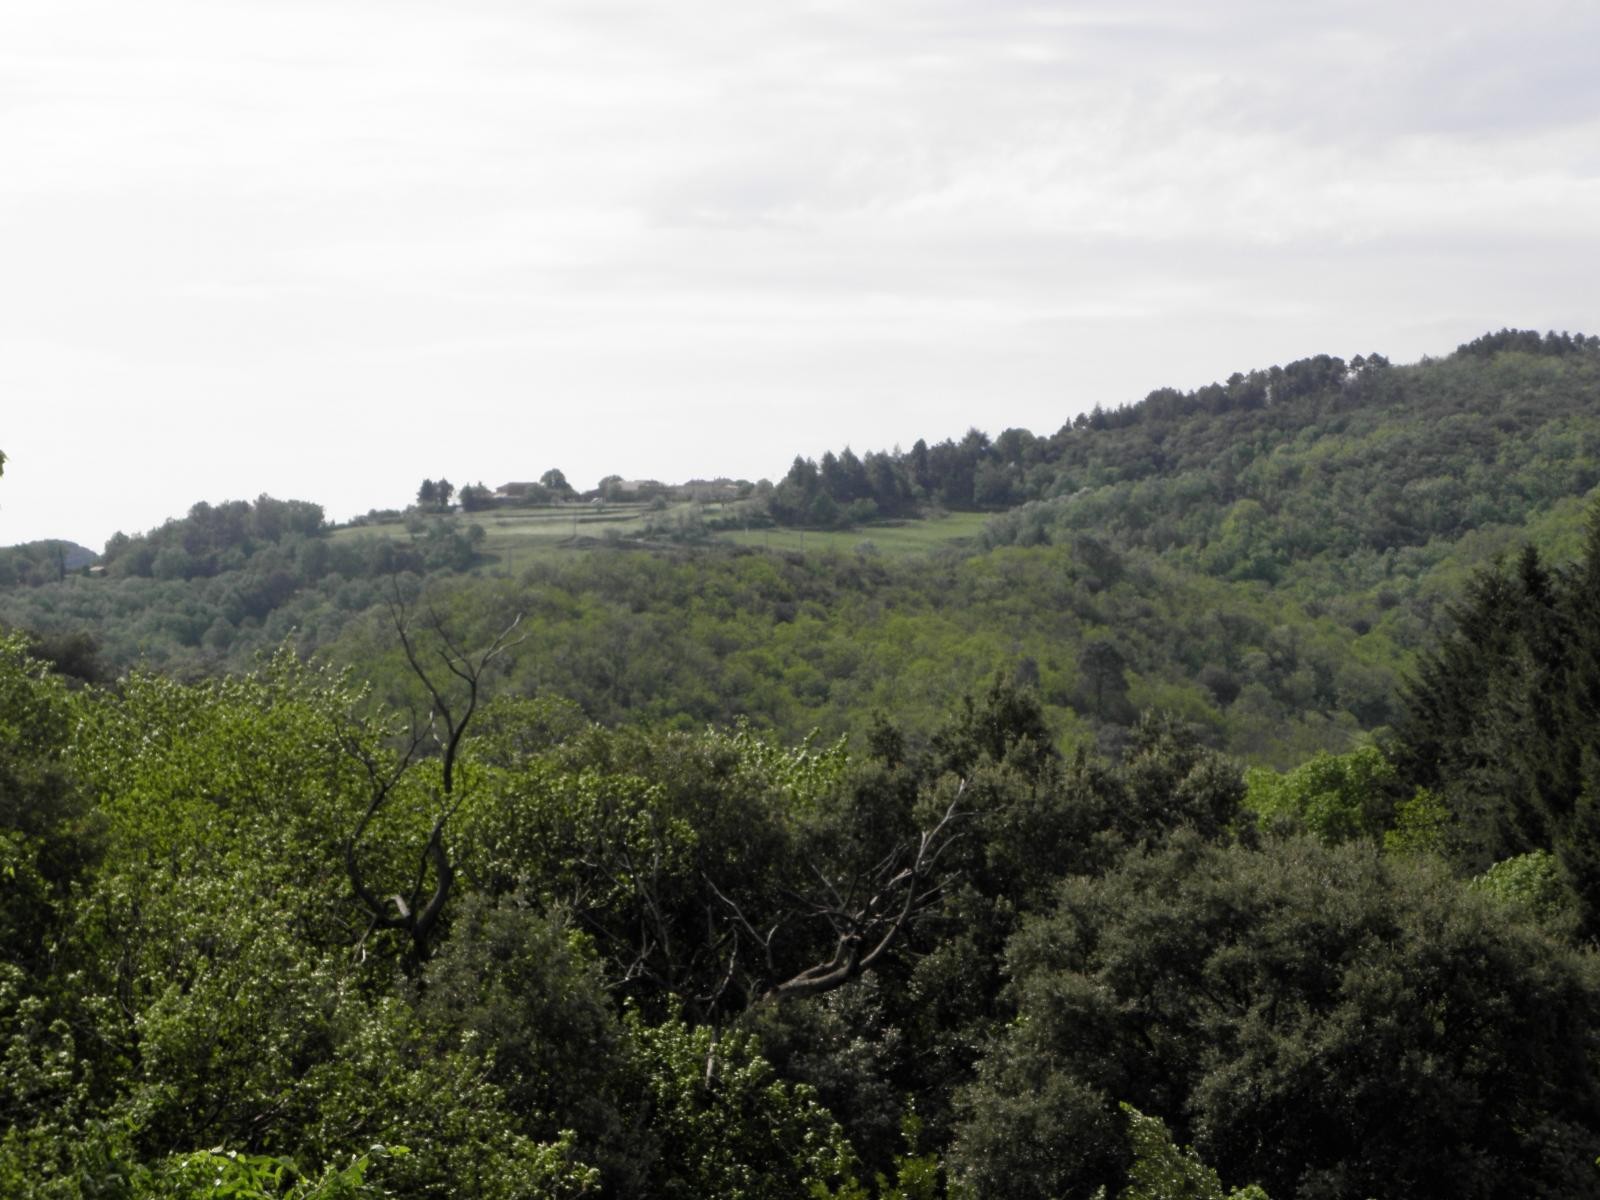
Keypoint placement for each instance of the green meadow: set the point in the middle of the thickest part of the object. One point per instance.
(514, 536)
(897, 538)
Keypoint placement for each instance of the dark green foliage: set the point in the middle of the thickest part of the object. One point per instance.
(1029, 819)
(515, 986)
(475, 498)
(49, 834)
(1169, 781)
(1529, 341)
(846, 1046)
(212, 538)
(1499, 721)
(1008, 725)
(34, 564)
(1040, 1137)
(1292, 471)
(1314, 1019)
(1272, 440)
(556, 482)
(73, 655)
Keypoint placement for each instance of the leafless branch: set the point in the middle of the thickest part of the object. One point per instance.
(897, 892)
(414, 911)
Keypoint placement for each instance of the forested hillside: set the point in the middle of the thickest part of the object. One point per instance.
(1222, 821)
(1262, 557)
(265, 939)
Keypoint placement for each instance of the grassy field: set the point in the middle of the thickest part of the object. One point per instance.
(524, 531)
(517, 536)
(884, 537)
(532, 530)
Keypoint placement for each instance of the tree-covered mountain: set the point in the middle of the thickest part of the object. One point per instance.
(1341, 455)
(35, 563)
(1261, 556)
(548, 892)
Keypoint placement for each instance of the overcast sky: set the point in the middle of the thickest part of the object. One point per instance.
(326, 249)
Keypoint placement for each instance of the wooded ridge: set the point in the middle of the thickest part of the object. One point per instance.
(1200, 800)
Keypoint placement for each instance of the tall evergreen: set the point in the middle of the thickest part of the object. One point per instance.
(1500, 720)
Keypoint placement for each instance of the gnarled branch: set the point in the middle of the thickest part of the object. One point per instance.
(868, 913)
(418, 910)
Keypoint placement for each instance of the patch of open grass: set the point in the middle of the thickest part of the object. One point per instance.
(516, 535)
(896, 538)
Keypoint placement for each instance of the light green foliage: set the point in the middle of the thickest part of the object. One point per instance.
(32, 705)
(798, 777)
(895, 539)
(50, 842)
(1346, 511)
(1421, 824)
(1245, 548)
(802, 643)
(725, 1124)
(220, 996)
(1161, 1171)
(225, 804)
(510, 731)
(246, 1035)
(60, 1160)
(1337, 797)
(795, 643)
(1532, 882)
(384, 1078)
(560, 831)
(46, 1095)
(917, 1176)
(230, 1008)
(178, 766)
(229, 1175)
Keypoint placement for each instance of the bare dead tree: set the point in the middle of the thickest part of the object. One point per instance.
(868, 911)
(650, 945)
(454, 685)
(719, 948)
